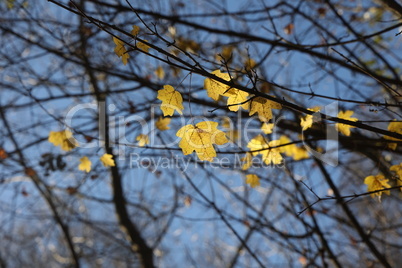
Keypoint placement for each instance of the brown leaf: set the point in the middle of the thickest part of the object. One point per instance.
(30, 172)
(289, 28)
(71, 190)
(187, 201)
(3, 154)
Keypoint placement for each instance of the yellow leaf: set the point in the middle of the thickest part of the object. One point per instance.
(107, 160)
(162, 123)
(187, 45)
(215, 88)
(237, 97)
(343, 128)
(135, 30)
(394, 126)
(160, 73)
(249, 64)
(259, 145)
(267, 128)
(10, 4)
(63, 138)
(247, 161)
(307, 121)
(291, 150)
(287, 149)
(300, 153)
(142, 46)
(85, 164)
(377, 182)
(263, 107)
(398, 170)
(200, 138)
(142, 140)
(226, 54)
(253, 180)
(171, 100)
(120, 50)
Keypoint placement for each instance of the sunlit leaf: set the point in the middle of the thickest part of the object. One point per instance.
(200, 138)
(107, 160)
(344, 128)
(171, 100)
(85, 164)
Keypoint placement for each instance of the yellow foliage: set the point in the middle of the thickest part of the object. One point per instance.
(142, 139)
(200, 138)
(187, 45)
(252, 180)
(263, 107)
(377, 182)
(160, 73)
(107, 160)
(171, 100)
(394, 126)
(236, 97)
(292, 150)
(267, 128)
(307, 121)
(136, 30)
(343, 128)
(247, 161)
(398, 170)
(120, 50)
(249, 64)
(225, 54)
(63, 138)
(215, 88)
(142, 46)
(259, 145)
(85, 164)
(162, 123)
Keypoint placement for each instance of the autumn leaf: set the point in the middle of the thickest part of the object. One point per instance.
(398, 170)
(267, 128)
(236, 98)
(63, 138)
(394, 126)
(344, 128)
(249, 64)
(263, 107)
(226, 54)
(307, 121)
(252, 180)
(377, 182)
(85, 164)
(142, 46)
(107, 160)
(247, 161)
(142, 140)
(289, 28)
(171, 100)
(160, 73)
(30, 172)
(187, 45)
(259, 145)
(136, 30)
(3, 154)
(200, 138)
(162, 123)
(120, 50)
(215, 88)
(292, 150)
